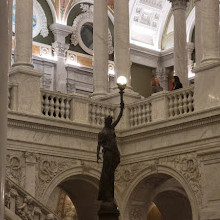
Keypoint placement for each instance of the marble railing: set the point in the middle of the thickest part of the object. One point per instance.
(82, 109)
(98, 111)
(21, 205)
(55, 105)
(181, 102)
(140, 113)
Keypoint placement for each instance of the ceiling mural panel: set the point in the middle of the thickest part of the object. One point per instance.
(145, 22)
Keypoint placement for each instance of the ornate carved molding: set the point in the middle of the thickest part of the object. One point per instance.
(15, 167)
(187, 165)
(60, 49)
(48, 168)
(79, 21)
(41, 23)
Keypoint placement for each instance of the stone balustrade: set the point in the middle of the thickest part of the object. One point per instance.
(55, 105)
(81, 109)
(21, 205)
(140, 113)
(98, 112)
(181, 102)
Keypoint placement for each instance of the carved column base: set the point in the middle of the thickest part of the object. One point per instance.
(108, 211)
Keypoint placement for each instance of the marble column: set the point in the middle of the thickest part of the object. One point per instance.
(60, 48)
(23, 33)
(122, 44)
(100, 43)
(198, 36)
(4, 45)
(180, 53)
(207, 80)
(210, 27)
(22, 71)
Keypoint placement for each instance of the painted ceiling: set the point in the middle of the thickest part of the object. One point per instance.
(151, 21)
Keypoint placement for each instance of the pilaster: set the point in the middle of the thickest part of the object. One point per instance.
(30, 171)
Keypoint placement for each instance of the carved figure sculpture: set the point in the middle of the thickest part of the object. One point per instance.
(111, 156)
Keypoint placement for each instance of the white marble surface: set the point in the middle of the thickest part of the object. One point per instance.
(100, 42)
(210, 27)
(207, 93)
(121, 39)
(180, 53)
(198, 29)
(23, 29)
(28, 97)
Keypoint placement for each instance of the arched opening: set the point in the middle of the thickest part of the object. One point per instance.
(158, 197)
(75, 198)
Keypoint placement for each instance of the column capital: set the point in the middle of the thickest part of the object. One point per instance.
(179, 4)
(59, 48)
(60, 31)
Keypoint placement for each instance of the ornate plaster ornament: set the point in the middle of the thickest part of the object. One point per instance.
(39, 20)
(48, 168)
(187, 165)
(86, 18)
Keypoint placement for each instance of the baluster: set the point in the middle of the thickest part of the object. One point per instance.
(185, 103)
(170, 105)
(141, 114)
(135, 116)
(180, 104)
(95, 114)
(56, 105)
(51, 109)
(46, 104)
(9, 97)
(145, 113)
(62, 107)
(190, 99)
(138, 115)
(67, 108)
(131, 116)
(102, 113)
(175, 108)
(90, 113)
(150, 111)
(42, 103)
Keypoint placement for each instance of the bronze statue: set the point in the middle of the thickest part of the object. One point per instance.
(111, 156)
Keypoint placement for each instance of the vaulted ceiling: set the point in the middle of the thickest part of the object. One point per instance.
(151, 21)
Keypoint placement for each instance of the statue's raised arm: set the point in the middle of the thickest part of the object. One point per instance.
(119, 116)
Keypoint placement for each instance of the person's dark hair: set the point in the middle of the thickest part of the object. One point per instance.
(177, 79)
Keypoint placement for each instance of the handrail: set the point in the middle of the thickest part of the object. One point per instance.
(25, 206)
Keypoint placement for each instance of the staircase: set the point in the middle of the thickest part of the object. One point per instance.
(20, 205)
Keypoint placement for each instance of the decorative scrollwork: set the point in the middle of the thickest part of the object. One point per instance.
(79, 21)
